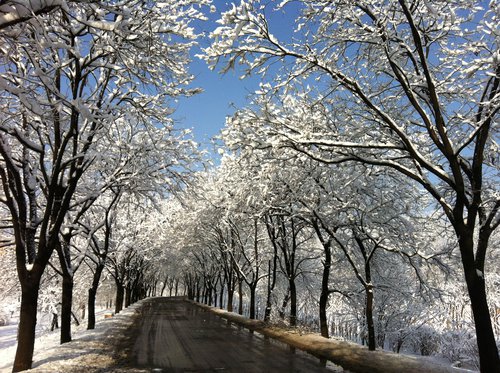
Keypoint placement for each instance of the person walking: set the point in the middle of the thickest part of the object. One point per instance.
(55, 316)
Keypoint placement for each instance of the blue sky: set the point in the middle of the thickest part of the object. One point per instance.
(205, 113)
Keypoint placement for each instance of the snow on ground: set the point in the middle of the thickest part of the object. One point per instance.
(348, 355)
(105, 348)
(90, 350)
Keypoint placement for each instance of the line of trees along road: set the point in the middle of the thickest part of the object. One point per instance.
(411, 86)
(85, 90)
(351, 251)
(357, 192)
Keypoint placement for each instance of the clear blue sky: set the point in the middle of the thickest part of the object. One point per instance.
(205, 113)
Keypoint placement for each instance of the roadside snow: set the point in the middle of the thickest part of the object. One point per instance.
(105, 348)
(350, 356)
(90, 350)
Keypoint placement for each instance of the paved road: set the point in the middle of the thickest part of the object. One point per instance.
(176, 336)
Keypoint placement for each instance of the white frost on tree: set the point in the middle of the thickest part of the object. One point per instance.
(413, 86)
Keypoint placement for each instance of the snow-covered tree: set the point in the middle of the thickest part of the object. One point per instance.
(13, 12)
(97, 226)
(413, 86)
(67, 78)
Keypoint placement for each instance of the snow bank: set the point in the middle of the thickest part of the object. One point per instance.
(96, 350)
(90, 350)
(350, 356)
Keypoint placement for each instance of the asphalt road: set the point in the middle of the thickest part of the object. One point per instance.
(177, 336)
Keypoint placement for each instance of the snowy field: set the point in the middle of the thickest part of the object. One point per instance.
(90, 350)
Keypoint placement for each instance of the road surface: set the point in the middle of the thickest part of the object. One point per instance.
(177, 336)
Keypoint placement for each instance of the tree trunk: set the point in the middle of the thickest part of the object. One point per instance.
(267, 311)
(325, 291)
(91, 306)
(198, 292)
(489, 360)
(27, 324)
(284, 304)
(153, 290)
(399, 345)
(206, 294)
(293, 303)
(221, 295)
(189, 287)
(66, 306)
(63, 252)
(271, 282)
(128, 295)
(381, 332)
(120, 294)
(323, 321)
(369, 317)
(230, 295)
(252, 300)
(164, 285)
(92, 295)
(240, 297)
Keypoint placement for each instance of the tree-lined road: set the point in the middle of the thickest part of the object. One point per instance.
(176, 336)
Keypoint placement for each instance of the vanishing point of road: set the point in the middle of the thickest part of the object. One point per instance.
(176, 336)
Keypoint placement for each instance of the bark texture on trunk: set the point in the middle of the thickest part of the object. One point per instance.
(27, 325)
(325, 289)
(91, 312)
(66, 306)
(323, 321)
(369, 318)
(240, 297)
(128, 295)
(488, 352)
(293, 303)
(252, 300)
(92, 295)
(230, 296)
(120, 295)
